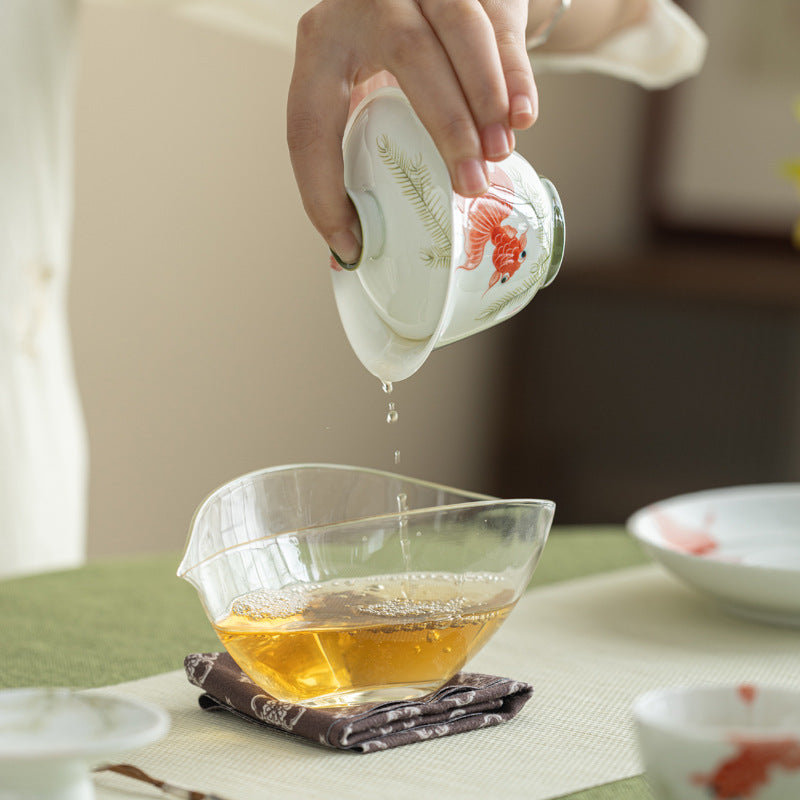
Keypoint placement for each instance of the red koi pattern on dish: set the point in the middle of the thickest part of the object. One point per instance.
(747, 693)
(749, 769)
(696, 541)
(485, 216)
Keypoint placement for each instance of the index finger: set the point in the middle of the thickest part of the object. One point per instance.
(509, 19)
(316, 116)
(417, 57)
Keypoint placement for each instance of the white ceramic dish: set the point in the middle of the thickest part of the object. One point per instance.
(707, 742)
(51, 738)
(740, 545)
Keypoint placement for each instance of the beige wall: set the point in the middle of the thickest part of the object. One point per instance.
(205, 333)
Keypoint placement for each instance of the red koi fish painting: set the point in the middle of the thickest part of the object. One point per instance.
(749, 769)
(485, 216)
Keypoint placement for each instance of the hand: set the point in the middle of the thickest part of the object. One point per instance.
(461, 63)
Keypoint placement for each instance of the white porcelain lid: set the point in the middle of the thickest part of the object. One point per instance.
(400, 186)
(402, 191)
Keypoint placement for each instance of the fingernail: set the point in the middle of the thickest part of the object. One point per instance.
(343, 264)
(521, 111)
(495, 141)
(471, 174)
(345, 248)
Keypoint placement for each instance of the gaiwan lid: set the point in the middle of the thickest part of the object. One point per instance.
(416, 285)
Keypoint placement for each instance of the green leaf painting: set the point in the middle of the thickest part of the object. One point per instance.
(530, 284)
(417, 186)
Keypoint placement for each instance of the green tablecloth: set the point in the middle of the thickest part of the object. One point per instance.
(120, 620)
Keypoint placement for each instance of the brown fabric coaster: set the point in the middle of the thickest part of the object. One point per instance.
(468, 701)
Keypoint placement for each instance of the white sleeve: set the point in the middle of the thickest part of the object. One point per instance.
(665, 48)
(271, 20)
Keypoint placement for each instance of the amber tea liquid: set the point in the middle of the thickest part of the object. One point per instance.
(378, 638)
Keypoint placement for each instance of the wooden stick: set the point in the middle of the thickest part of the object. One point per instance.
(129, 771)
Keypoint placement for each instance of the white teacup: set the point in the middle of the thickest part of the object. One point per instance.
(52, 738)
(435, 267)
(705, 742)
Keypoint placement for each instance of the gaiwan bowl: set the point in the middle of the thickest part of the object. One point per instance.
(722, 742)
(332, 585)
(435, 267)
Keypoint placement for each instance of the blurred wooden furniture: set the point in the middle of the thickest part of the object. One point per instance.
(672, 370)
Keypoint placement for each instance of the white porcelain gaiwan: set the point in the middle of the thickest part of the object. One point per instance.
(435, 267)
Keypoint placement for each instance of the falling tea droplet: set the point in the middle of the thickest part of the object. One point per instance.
(402, 502)
(392, 416)
(396, 456)
(387, 387)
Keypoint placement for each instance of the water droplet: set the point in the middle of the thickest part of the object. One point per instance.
(392, 416)
(396, 456)
(387, 387)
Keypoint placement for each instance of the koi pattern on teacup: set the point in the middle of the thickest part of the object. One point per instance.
(750, 768)
(754, 762)
(484, 222)
(486, 225)
(522, 276)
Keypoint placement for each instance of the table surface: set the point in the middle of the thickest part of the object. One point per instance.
(120, 620)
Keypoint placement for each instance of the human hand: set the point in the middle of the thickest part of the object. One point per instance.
(462, 64)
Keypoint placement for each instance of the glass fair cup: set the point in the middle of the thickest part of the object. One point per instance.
(332, 585)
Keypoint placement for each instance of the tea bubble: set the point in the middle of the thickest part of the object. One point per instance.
(264, 604)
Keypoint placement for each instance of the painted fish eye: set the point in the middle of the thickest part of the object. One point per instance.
(504, 278)
(522, 255)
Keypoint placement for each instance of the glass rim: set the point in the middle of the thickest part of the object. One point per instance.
(478, 501)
